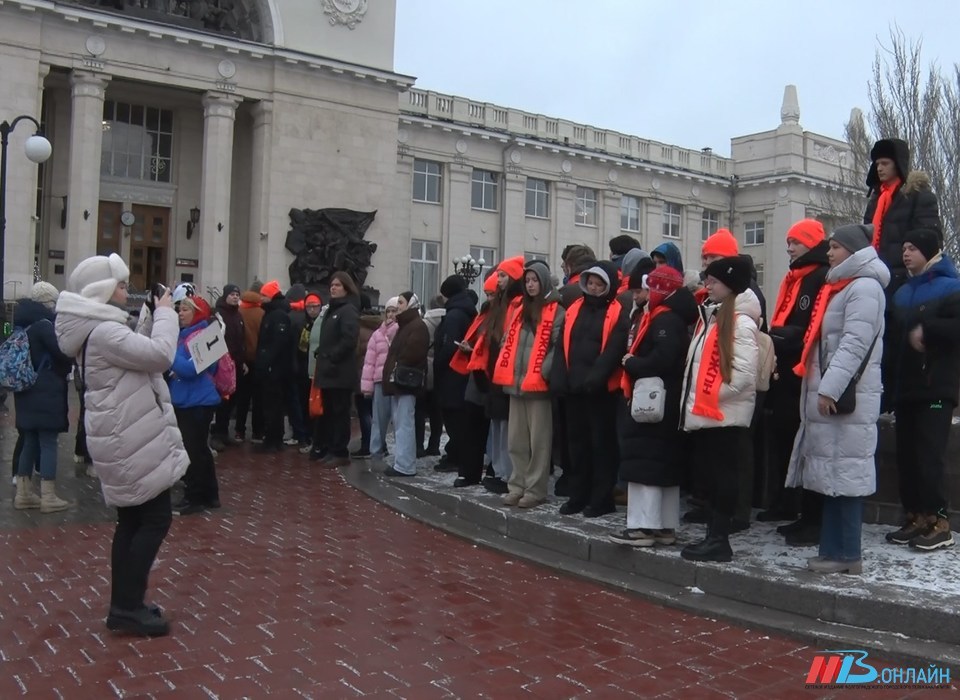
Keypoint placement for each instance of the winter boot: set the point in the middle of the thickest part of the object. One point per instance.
(913, 525)
(26, 497)
(714, 547)
(936, 536)
(49, 501)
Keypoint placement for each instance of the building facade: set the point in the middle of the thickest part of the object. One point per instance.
(184, 133)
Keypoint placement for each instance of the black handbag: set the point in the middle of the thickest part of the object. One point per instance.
(409, 378)
(847, 403)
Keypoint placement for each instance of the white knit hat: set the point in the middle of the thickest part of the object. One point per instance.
(392, 303)
(96, 278)
(44, 292)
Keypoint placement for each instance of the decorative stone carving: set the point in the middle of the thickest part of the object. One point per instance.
(829, 153)
(327, 240)
(346, 12)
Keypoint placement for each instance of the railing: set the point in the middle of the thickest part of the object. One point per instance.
(537, 126)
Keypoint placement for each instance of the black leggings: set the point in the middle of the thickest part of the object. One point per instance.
(140, 532)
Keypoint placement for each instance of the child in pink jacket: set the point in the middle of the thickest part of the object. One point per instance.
(371, 380)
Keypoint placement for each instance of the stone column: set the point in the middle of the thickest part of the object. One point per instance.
(86, 139)
(260, 188)
(219, 113)
(514, 240)
(455, 239)
(609, 220)
(567, 231)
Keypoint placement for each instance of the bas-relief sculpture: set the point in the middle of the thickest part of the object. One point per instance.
(327, 240)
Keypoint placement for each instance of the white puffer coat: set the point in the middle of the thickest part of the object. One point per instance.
(132, 433)
(833, 455)
(738, 397)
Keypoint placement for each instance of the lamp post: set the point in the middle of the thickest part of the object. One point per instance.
(468, 268)
(37, 149)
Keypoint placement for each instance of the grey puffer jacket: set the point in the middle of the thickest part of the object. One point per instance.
(833, 455)
(132, 432)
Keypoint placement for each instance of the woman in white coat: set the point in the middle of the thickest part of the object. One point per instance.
(720, 390)
(833, 453)
(132, 432)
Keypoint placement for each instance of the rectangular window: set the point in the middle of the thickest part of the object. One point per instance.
(629, 213)
(759, 269)
(542, 257)
(671, 220)
(424, 269)
(709, 223)
(137, 142)
(426, 181)
(753, 233)
(585, 207)
(489, 258)
(538, 198)
(484, 191)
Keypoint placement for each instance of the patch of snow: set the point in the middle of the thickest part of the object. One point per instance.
(695, 590)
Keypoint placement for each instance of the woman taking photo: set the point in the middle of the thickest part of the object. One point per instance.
(132, 432)
(719, 394)
(834, 449)
(195, 398)
(333, 344)
(522, 369)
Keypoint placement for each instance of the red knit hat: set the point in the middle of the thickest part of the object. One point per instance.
(270, 289)
(201, 309)
(721, 243)
(512, 267)
(808, 232)
(490, 284)
(663, 282)
(312, 299)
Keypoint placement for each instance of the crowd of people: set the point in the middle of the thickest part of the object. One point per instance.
(632, 376)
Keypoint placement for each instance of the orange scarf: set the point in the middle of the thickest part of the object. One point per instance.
(609, 321)
(706, 398)
(505, 371)
(645, 320)
(810, 338)
(789, 289)
(887, 191)
(460, 362)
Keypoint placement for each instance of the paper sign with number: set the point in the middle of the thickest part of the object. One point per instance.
(207, 346)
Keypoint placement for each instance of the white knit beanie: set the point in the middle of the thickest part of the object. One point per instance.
(44, 292)
(96, 278)
(392, 303)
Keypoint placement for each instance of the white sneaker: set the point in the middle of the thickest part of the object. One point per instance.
(290, 442)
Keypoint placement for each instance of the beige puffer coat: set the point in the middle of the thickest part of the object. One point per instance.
(132, 433)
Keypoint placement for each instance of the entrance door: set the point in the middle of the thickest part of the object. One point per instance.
(109, 228)
(148, 247)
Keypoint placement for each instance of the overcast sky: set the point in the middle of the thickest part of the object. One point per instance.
(693, 73)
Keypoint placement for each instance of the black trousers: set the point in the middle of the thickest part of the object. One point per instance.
(752, 453)
(719, 451)
(247, 398)
(591, 432)
(922, 431)
(331, 433)
(476, 427)
(201, 477)
(80, 444)
(136, 541)
(455, 421)
(364, 406)
(783, 426)
(428, 408)
(273, 395)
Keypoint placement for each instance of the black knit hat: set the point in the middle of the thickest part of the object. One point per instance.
(734, 272)
(623, 244)
(229, 289)
(453, 285)
(926, 240)
(644, 267)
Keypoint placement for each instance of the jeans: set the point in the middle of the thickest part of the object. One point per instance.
(405, 431)
(201, 477)
(840, 532)
(44, 443)
(136, 541)
(364, 408)
(499, 450)
(382, 409)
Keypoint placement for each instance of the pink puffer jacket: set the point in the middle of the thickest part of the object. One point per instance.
(377, 355)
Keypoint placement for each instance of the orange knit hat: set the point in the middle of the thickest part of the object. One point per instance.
(490, 284)
(512, 267)
(721, 243)
(808, 232)
(270, 289)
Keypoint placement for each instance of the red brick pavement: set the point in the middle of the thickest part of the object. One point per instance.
(302, 587)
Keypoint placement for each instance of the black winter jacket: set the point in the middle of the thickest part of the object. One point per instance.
(788, 338)
(652, 453)
(448, 386)
(233, 333)
(337, 345)
(408, 349)
(44, 405)
(273, 346)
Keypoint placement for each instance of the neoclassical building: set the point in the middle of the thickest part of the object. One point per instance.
(184, 133)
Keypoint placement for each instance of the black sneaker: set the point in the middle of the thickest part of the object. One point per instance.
(144, 622)
(796, 525)
(390, 471)
(213, 503)
(913, 527)
(634, 538)
(360, 454)
(936, 536)
(494, 484)
(807, 536)
(462, 481)
(188, 508)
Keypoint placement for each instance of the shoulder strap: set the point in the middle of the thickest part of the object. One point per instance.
(860, 369)
(83, 364)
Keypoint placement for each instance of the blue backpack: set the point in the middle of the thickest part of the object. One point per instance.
(16, 367)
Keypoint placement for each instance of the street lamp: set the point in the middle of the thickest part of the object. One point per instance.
(468, 268)
(37, 149)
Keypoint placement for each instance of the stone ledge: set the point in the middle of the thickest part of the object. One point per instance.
(900, 624)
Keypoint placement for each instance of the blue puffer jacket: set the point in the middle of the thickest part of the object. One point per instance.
(44, 405)
(187, 388)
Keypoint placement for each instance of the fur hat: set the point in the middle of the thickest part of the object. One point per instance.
(926, 240)
(853, 237)
(808, 232)
(453, 285)
(270, 289)
(96, 278)
(44, 292)
(722, 242)
(733, 271)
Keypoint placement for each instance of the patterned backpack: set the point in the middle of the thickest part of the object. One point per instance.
(16, 368)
